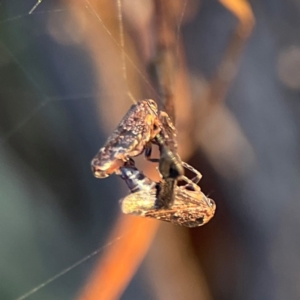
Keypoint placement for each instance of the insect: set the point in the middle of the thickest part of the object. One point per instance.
(131, 137)
(141, 126)
(191, 208)
(168, 163)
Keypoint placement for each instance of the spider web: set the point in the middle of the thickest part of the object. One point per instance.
(53, 211)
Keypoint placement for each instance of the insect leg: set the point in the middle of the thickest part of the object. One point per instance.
(198, 176)
(191, 183)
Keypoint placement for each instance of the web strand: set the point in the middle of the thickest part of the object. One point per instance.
(37, 109)
(118, 45)
(121, 30)
(35, 6)
(179, 27)
(47, 100)
(66, 270)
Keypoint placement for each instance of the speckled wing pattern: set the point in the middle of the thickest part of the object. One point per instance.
(131, 135)
(191, 208)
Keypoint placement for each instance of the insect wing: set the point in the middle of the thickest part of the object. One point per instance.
(128, 139)
(131, 131)
(190, 208)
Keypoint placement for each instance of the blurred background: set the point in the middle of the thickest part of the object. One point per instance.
(235, 78)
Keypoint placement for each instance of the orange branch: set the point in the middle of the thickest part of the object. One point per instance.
(121, 260)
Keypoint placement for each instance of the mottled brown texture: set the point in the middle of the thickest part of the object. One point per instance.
(142, 125)
(191, 208)
(136, 129)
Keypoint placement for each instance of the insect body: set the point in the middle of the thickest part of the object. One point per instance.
(191, 207)
(170, 166)
(138, 127)
(142, 125)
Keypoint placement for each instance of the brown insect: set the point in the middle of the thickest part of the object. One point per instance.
(142, 125)
(191, 208)
(168, 163)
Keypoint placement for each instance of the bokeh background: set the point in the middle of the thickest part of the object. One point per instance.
(62, 93)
